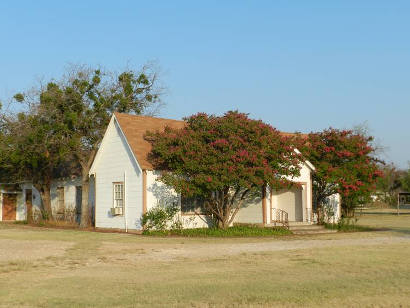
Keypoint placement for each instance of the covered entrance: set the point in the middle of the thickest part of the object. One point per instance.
(9, 208)
(291, 201)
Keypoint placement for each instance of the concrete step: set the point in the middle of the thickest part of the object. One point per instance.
(312, 232)
(309, 229)
(300, 223)
(306, 227)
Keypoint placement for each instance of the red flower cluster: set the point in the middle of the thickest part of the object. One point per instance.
(344, 153)
(220, 142)
(343, 161)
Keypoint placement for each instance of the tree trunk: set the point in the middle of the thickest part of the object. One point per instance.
(86, 162)
(228, 208)
(45, 195)
(29, 205)
(85, 208)
(317, 206)
(222, 224)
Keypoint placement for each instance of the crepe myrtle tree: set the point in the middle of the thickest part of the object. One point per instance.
(224, 160)
(345, 163)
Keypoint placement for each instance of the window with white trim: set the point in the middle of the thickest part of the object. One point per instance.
(118, 189)
(60, 200)
(192, 205)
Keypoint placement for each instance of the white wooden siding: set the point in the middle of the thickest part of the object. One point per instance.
(69, 193)
(251, 212)
(160, 194)
(114, 160)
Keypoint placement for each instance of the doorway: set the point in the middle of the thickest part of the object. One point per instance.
(291, 201)
(29, 204)
(9, 206)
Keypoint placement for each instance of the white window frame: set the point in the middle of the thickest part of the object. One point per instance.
(196, 211)
(60, 192)
(118, 194)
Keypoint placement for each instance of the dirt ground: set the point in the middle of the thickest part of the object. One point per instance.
(21, 250)
(42, 267)
(29, 250)
(203, 251)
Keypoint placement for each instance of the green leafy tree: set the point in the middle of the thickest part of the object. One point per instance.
(405, 180)
(345, 164)
(388, 185)
(82, 104)
(35, 148)
(224, 160)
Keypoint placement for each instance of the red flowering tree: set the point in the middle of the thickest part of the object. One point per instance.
(345, 164)
(224, 160)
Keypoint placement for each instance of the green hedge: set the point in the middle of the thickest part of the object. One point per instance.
(236, 231)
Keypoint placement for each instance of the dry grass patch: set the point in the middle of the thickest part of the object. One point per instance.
(28, 250)
(312, 277)
(367, 269)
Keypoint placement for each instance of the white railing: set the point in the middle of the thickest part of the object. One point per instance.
(280, 217)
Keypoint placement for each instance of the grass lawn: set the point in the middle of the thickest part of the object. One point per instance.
(42, 267)
(386, 219)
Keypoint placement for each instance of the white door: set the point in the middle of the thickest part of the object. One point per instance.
(291, 201)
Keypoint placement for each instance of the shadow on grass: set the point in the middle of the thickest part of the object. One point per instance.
(371, 229)
(392, 213)
(395, 230)
(386, 220)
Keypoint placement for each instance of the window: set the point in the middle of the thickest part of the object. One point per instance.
(192, 205)
(60, 199)
(118, 194)
(78, 199)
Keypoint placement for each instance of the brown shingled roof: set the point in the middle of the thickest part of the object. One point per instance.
(135, 127)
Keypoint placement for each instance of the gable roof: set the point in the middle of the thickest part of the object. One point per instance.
(135, 127)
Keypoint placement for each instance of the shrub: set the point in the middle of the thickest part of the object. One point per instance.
(235, 231)
(161, 218)
(21, 222)
(347, 225)
(45, 215)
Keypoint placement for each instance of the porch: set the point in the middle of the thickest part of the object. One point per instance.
(292, 206)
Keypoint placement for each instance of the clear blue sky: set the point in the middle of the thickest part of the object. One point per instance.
(299, 65)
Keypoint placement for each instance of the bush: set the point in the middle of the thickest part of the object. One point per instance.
(347, 225)
(161, 218)
(45, 215)
(21, 222)
(235, 231)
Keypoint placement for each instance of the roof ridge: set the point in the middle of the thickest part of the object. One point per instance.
(144, 116)
(182, 121)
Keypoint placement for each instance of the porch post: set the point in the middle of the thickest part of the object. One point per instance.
(264, 204)
(305, 202)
